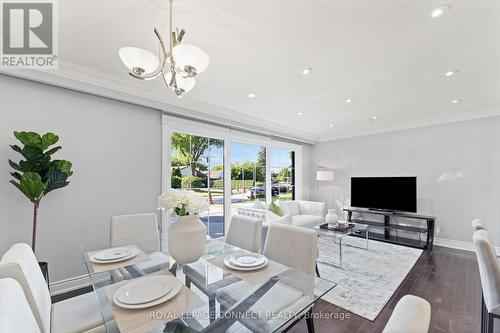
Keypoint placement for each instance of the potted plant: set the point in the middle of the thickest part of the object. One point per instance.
(186, 237)
(37, 173)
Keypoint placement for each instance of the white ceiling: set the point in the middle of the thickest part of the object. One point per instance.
(388, 55)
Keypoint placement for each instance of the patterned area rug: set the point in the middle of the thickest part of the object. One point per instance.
(368, 278)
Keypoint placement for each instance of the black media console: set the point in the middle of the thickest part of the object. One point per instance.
(389, 231)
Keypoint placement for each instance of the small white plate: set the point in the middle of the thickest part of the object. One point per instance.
(228, 263)
(134, 252)
(144, 290)
(247, 259)
(176, 288)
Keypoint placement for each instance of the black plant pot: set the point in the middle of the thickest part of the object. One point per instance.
(44, 267)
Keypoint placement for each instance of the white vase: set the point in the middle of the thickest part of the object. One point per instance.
(187, 239)
(331, 217)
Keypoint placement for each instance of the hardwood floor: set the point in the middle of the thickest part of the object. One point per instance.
(447, 278)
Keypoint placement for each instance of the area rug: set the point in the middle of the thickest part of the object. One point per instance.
(368, 278)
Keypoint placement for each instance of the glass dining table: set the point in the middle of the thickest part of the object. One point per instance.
(264, 300)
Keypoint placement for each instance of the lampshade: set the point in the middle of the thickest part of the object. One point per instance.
(324, 175)
(184, 83)
(134, 57)
(187, 55)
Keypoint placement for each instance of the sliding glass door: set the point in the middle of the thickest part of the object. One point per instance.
(283, 174)
(197, 163)
(231, 169)
(248, 174)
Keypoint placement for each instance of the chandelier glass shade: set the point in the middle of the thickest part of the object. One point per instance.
(177, 66)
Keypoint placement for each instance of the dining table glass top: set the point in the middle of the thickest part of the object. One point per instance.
(264, 300)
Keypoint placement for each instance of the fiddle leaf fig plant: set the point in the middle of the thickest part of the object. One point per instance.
(37, 173)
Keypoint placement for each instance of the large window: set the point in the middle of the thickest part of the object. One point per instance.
(248, 174)
(231, 169)
(283, 174)
(197, 163)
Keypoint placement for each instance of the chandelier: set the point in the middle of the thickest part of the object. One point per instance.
(177, 67)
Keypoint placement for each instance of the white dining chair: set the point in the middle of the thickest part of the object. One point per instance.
(412, 314)
(15, 312)
(142, 231)
(244, 232)
(489, 273)
(292, 246)
(77, 314)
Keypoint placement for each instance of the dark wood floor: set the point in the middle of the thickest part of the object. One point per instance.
(448, 279)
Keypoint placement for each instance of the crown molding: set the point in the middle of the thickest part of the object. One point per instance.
(87, 80)
(470, 113)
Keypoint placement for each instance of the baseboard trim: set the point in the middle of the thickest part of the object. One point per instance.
(74, 283)
(459, 245)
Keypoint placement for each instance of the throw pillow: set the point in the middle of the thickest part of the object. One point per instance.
(275, 209)
(258, 204)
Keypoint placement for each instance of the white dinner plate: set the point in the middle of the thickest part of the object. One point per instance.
(176, 288)
(247, 259)
(134, 252)
(113, 253)
(228, 263)
(144, 290)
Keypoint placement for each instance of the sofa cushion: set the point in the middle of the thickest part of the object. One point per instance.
(307, 221)
(290, 207)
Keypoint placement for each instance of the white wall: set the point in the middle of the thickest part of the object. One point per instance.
(115, 148)
(457, 167)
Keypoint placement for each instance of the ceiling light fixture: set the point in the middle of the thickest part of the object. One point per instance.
(331, 125)
(178, 66)
(300, 113)
(456, 101)
(439, 11)
(307, 71)
(374, 117)
(349, 100)
(451, 73)
(251, 95)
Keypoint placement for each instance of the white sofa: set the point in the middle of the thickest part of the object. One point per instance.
(306, 214)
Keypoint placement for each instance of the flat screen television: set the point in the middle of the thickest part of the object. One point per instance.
(385, 193)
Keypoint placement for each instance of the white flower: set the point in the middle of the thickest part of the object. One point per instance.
(183, 202)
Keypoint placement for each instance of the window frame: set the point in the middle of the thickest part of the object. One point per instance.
(171, 124)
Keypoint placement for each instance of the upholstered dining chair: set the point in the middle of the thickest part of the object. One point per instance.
(412, 314)
(292, 246)
(77, 314)
(244, 232)
(15, 312)
(489, 272)
(142, 231)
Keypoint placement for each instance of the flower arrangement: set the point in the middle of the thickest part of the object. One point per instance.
(182, 202)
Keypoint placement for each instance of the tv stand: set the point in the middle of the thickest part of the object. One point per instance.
(387, 227)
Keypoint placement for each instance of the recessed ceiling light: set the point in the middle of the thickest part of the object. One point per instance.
(307, 71)
(456, 101)
(251, 95)
(300, 113)
(331, 125)
(374, 117)
(451, 73)
(439, 11)
(349, 100)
